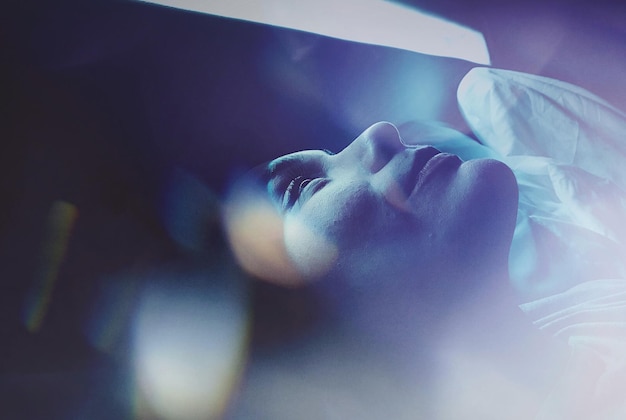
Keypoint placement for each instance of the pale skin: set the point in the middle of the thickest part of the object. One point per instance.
(413, 248)
(390, 210)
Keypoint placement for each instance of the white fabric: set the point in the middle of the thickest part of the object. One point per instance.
(591, 317)
(567, 149)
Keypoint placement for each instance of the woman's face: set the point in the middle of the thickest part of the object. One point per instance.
(380, 208)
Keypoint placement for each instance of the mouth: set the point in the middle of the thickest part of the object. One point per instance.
(411, 171)
(427, 164)
(421, 165)
(417, 168)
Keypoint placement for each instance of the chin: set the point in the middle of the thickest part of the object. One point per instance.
(493, 184)
(487, 210)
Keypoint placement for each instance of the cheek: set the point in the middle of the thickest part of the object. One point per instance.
(487, 192)
(312, 253)
(330, 226)
(481, 205)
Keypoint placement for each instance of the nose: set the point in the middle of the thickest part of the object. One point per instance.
(380, 143)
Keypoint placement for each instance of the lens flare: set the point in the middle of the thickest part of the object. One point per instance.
(61, 219)
(311, 252)
(188, 210)
(256, 234)
(111, 313)
(190, 336)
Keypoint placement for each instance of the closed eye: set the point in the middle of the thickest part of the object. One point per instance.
(290, 176)
(303, 185)
(294, 190)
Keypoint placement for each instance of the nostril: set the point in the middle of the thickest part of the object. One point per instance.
(385, 143)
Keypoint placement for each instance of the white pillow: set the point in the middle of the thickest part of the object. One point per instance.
(567, 149)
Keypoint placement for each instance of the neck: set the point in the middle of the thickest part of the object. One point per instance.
(484, 348)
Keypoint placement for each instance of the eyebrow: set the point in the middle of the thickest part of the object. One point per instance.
(266, 171)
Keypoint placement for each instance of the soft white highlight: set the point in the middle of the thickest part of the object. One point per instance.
(368, 21)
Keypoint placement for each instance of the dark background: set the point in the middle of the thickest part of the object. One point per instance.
(106, 103)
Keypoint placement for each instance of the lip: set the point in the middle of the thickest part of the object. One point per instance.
(408, 172)
(423, 172)
(419, 166)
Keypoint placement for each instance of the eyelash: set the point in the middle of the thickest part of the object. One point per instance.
(294, 174)
(288, 197)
